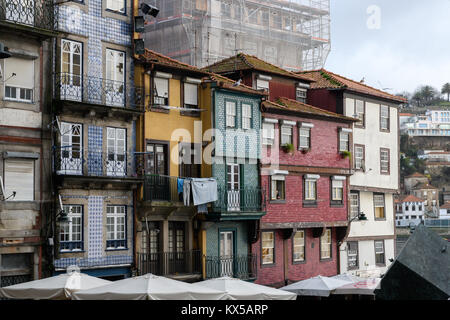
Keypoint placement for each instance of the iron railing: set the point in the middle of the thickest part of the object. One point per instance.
(437, 223)
(41, 14)
(98, 91)
(74, 161)
(245, 200)
(93, 262)
(242, 267)
(70, 246)
(161, 188)
(170, 263)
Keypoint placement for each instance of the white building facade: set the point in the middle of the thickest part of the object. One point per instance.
(409, 211)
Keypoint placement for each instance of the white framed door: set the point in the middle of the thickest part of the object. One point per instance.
(115, 78)
(21, 11)
(233, 187)
(71, 70)
(116, 146)
(226, 253)
(71, 153)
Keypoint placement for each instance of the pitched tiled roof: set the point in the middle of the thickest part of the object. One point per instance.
(445, 205)
(327, 80)
(410, 198)
(159, 59)
(303, 108)
(425, 186)
(244, 61)
(416, 175)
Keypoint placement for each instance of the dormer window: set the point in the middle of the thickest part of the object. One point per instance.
(301, 95)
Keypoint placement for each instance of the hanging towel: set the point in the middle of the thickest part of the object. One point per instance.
(180, 183)
(186, 192)
(204, 191)
(203, 208)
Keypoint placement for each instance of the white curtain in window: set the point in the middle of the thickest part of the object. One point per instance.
(19, 177)
(23, 70)
(262, 84)
(191, 94)
(162, 87)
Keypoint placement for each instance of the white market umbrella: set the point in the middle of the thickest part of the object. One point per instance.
(242, 290)
(347, 277)
(150, 287)
(318, 286)
(55, 288)
(363, 287)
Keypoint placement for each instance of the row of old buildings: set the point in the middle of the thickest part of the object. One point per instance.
(104, 149)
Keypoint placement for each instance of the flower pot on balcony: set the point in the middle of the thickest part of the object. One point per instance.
(345, 154)
(288, 148)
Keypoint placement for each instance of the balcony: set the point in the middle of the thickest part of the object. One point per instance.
(73, 164)
(170, 263)
(36, 17)
(242, 267)
(247, 203)
(113, 260)
(104, 97)
(161, 188)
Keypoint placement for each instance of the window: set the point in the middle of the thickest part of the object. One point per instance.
(360, 113)
(278, 188)
(286, 135)
(304, 138)
(157, 161)
(116, 5)
(115, 227)
(325, 245)
(301, 94)
(19, 177)
(378, 202)
(231, 114)
(310, 189)
(161, 91)
(352, 255)
(262, 84)
(190, 160)
(116, 148)
(268, 134)
(359, 157)
(379, 253)
(268, 246)
(384, 161)
(298, 246)
(384, 118)
(19, 79)
(337, 191)
(354, 204)
(246, 116)
(406, 207)
(177, 239)
(190, 95)
(344, 141)
(71, 233)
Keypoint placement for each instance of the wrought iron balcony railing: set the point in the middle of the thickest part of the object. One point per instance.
(161, 188)
(245, 200)
(242, 267)
(98, 91)
(93, 262)
(41, 14)
(79, 162)
(169, 263)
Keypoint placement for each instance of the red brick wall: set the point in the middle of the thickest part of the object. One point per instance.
(313, 266)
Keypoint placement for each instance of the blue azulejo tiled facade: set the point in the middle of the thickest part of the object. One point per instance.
(94, 159)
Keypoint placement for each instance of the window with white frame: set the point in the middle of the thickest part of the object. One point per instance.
(116, 5)
(354, 204)
(190, 95)
(160, 91)
(19, 177)
(268, 245)
(231, 114)
(71, 233)
(337, 191)
(360, 112)
(301, 94)
(18, 79)
(379, 253)
(268, 133)
(304, 138)
(352, 255)
(310, 190)
(278, 187)
(286, 135)
(298, 246)
(378, 203)
(344, 141)
(262, 84)
(359, 157)
(384, 117)
(384, 161)
(115, 227)
(325, 245)
(246, 116)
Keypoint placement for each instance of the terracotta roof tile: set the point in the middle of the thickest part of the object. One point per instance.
(416, 175)
(305, 109)
(425, 186)
(410, 198)
(244, 61)
(326, 79)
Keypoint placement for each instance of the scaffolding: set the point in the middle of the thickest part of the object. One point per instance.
(292, 34)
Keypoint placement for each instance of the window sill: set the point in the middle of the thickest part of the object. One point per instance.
(337, 205)
(277, 201)
(195, 114)
(298, 262)
(156, 108)
(267, 265)
(326, 259)
(307, 204)
(71, 251)
(116, 249)
(380, 219)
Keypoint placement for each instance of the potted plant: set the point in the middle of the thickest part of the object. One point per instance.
(345, 154)
(304, 150)
(288, 147)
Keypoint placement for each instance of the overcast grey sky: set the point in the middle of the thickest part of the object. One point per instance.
(410, 48)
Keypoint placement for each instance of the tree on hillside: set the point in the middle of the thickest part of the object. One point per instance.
(446, 90)
(425, 96)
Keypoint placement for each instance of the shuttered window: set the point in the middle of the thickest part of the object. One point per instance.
(19, 177)
(20, 76)
(190, 95)
(161, 91)
(268, 133)
(231, 114)
(246, 116)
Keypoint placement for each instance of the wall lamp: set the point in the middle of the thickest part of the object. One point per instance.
(62, 217)
(360, 217)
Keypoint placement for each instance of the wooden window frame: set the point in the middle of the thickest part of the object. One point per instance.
(384, 253)
(357, 124)
(363, 158)
(270, 194)
(263, 265)
(294, 262)
(330, 258)
(388, 129)
(357, 255)
(374, 207)
(333, 202)
(388, 172)
(309, 203)
(300, 128)
(359, 203)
